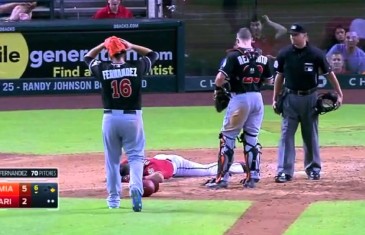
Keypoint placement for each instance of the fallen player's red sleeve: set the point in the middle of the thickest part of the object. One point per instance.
(155, 165)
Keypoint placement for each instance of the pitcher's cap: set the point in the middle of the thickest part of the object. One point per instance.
(114, 45)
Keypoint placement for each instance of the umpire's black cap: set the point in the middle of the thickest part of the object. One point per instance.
(297, 28)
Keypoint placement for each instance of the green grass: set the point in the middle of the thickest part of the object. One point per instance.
(51, 131)
(331, 218)
(90, 216)
(79, 131)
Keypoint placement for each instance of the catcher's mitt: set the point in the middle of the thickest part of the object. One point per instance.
(326, 102)
(221, 99)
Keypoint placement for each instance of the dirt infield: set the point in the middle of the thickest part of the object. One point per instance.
(275, 206)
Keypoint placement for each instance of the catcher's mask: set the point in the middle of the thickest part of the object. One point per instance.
(326, 102)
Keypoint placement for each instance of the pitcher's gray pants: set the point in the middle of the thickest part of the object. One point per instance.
(123, 131)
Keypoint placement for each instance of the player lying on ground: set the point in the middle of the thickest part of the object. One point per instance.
(170, 165)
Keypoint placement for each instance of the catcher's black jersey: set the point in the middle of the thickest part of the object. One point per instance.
(121, 83)
(245, 70)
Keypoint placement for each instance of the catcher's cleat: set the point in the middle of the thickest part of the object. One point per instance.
(209, 181)
(255, 176)
(219, 185)
(249, 183)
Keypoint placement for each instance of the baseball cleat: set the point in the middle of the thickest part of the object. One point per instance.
(255, 175)
(251, 183)
(210, 181)
(282, 178)
(313, 175)
(136, 200)
(219, 185)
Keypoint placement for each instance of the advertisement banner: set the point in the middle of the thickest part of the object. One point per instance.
(35, 61)
(76, 86)
(347, 81)
(199, 83)
(60, 54)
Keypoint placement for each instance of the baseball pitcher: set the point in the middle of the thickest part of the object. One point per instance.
(122, 125)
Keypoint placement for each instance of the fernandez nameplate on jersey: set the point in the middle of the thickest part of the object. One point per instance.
(44, 195)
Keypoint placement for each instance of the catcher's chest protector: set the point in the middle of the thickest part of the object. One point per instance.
(252, 71)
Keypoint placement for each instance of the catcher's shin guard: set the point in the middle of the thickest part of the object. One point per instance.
(225, 156)
(252, 159)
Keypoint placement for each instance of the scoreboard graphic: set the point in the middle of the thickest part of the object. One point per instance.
(29, 188)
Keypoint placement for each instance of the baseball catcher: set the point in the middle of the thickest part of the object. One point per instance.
(245, 70)
(326, 102)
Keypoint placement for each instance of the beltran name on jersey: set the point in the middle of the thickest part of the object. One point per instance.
(119, 73)
(244, 60)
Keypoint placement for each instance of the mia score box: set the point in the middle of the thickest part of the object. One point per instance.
(28, 195)
(28, 188)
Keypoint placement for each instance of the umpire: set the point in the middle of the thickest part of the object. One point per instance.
(300, 64)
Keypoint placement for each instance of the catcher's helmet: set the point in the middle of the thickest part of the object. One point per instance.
(326, 102)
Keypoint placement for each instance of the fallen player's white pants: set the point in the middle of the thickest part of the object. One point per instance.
(186, 168)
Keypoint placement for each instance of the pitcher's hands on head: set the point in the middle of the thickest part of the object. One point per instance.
(127, 44)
